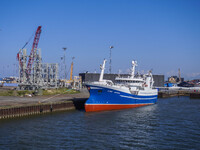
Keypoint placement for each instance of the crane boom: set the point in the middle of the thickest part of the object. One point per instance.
(18, 54)
(35, 45)
(71, 73)
(72, 65)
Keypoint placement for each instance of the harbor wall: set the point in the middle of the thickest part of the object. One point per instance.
(27, 110)
(193, 94)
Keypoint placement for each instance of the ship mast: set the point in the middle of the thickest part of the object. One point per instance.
(102, 67)
(134, 64)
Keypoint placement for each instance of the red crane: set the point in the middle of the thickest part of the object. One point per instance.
(19, 59)
(34, 47)
(31, 57)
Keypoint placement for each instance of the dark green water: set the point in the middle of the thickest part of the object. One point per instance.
(172, 123)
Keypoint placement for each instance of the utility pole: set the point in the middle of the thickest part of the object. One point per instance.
(64, 48)
(110, 69)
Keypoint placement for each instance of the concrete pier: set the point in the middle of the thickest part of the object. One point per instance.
(166, 94)
(179, 92)
(23, 106)
(195, 95)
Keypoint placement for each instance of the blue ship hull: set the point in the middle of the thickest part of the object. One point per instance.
(102, 98)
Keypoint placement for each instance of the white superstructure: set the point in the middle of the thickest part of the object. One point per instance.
(137, 85)
(133, 81)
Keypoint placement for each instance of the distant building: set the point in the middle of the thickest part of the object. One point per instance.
(90, 77)
(174, 79)
(9, 80)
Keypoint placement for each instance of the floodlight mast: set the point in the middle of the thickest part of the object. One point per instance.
(64, 48)
(110, 69)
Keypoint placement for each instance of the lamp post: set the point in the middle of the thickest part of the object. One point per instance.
(110, 69)
(64, 49)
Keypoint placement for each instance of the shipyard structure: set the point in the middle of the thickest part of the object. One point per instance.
(33, 74)
(41, 75)
(91, 77)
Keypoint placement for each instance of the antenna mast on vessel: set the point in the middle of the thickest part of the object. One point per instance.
(134, 64)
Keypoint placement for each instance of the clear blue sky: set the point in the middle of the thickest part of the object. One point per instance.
(162, 35)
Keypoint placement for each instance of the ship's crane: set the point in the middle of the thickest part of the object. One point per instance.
(32, 54)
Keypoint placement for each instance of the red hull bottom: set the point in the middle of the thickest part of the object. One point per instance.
(99, 107)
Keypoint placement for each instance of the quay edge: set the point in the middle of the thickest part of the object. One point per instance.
(195, 95)
(19, 111)
(174, 93)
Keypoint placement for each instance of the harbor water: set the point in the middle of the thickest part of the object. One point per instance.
(172, 123)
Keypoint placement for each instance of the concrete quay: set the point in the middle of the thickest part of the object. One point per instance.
(166, 94)
(23, 106)
(192, 93)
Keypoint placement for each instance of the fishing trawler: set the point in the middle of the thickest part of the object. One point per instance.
(130, 92)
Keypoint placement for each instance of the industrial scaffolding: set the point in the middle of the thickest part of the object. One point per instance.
(39, 75)
(49, 74)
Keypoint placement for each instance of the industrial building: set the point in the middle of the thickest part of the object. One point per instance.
(175, 79)
(90, 77)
